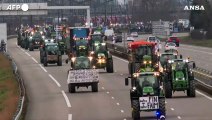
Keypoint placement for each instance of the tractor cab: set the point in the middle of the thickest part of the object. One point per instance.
(81, 62)
(81, 47)
(147, 94)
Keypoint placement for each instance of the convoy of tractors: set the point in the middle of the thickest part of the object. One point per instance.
(154, 75)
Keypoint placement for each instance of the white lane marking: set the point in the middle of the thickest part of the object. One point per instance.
(66, 99)
(117, 104)
(210, 98)
(122, 111)
(27, 54)
(172, 109)
(125, 119)
(166, 102)
(112, 97)
(120, 59)
(34, 60)
(103, 88)
(69, 116)
(43, 68)
(179, 117)
(58, 84)
(108, 92)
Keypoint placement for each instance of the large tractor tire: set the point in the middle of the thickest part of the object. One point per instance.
(59, 62)
(191, 90)
(71, 88)
(94, 87)
(109, 66)
(31, 48)
(45, 61)
(41, 57)
(162, 106)
(168, 89)
(135, 110)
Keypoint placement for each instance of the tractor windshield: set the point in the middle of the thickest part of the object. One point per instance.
(178, 66)
(165, 57)
(97, 38)
(179, 70)
(82, 63)
(147, 81)
(52, 48)
(81, 42)
(147, 84)
(144, 50)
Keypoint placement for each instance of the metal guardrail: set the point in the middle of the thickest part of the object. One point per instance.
(21, 84)
(203, 77)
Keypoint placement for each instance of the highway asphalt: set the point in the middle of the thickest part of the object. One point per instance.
(49, 99)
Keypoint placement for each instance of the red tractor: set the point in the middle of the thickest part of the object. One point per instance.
(141, 54)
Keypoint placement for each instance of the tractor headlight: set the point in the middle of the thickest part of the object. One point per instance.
(134, 88)
(90, 58)
(183, 79)
(94, 67)
(73, 59)
(96, 44)
(150, 62)
(30, 37)
(161, 87)
(177, 78)
(41, 32)
(43, 37)
(92, 52)
(144, 62)
(103, 44)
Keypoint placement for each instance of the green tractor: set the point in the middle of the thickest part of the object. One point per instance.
(35, 41)
(146, 94)
(179, 77)
(163, 59)
(51, 54)
(82, 74)
(102, 57)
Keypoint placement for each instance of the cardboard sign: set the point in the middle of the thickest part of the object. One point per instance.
(83, 76)
(149, 103)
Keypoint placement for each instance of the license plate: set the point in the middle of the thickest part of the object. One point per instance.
(149, 103)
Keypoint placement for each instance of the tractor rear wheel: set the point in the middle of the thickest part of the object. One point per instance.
(191, 90)
(71, 88)
(45, 61)
(168, 89)
(94, 87)
(135, 110)
(162, 106)
(59, 62)
(109, 66)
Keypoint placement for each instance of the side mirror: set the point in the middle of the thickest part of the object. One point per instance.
(126, 81)
(181, 57)
(194, 65)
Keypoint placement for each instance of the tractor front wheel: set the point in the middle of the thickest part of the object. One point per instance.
(71, 88)
(191, 90)
(45, 61)
(94, 87)
(162, 106)
(109, 66)
(168, 89)
(135, 110)
(59, 62)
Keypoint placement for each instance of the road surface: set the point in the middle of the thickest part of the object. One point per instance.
(48, 97)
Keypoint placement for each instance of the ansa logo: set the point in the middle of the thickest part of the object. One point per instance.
(194, 7)
(24, 7)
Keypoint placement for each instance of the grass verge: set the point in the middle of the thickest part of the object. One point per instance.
(190, 41)
(9, 91)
